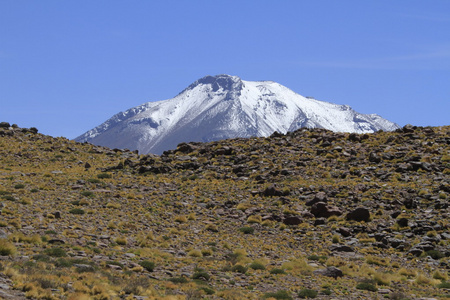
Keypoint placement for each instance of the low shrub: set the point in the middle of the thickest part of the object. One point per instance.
(55, 252)
(247, 229)
(367, 286)
(41, 257)
(212, 228)
(316, 257)
(103, 175)
(181, 219)
(279, 295)
(439, 275)
(201, 274)
(257, 266)
(76, 211)
(207, 252)
(239, 269)
(7, 248)
(207, 290)
(9, 198)
(87, 193)
(444, 285)
(195, 253)
(136, 286)
(326, 291)
(307, 293)
(277, 271)
(254, 219)
(121, 241)
(148, 265)
(435, 254)
(178, 280)
(63, 263)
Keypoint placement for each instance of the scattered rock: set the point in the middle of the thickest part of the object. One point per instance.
(321, 210)
(114, 267)
(359, 214)
(319, 197)
(292, 220)
(341, 248)
(271, 191)
(56, 242)
(402, 222)
(329, 272)
(345, 232)
(320, 221)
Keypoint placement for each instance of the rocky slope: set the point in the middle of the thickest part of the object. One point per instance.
(221, 107)
(307, 213)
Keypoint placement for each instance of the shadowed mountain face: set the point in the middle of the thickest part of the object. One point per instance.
(221, 107)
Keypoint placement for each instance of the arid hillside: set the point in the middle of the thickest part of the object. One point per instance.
(309, 214)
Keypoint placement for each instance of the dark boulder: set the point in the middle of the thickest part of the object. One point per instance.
(319, 197)
(321, 210)
(271, 191)
(186, 148)
(345, 232)
(373, 157)
(320, 221)
(410, 203)
(4, 125)
(292, 220)
(330, 272)
(402, 222)
(56, 242)
(359, 214)
(341, 248)
(354, 137)
(33, 130)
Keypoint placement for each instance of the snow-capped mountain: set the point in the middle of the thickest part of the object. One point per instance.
(221, 107)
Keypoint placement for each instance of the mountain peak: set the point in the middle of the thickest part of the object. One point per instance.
(222, 107)
(219, 82)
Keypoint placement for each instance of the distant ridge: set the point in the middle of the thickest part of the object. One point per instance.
(221, 107)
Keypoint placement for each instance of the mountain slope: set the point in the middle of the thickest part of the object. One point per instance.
(221, 107)
(340, 214)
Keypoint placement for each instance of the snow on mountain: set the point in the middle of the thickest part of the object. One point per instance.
(221, 107)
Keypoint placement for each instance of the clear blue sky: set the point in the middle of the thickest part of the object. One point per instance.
(67, 66)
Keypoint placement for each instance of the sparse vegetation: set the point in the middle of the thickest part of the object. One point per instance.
(280, 295)
(148, 265)
(307, 293)
(247, 230)
(7, 248)
(239, 224)
(77, 211)
(55, 252)
(201, 274)
(444, 285)
(367, 286)
(277, 271)
(257, 266)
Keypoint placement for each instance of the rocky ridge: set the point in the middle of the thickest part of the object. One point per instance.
(344, 215)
